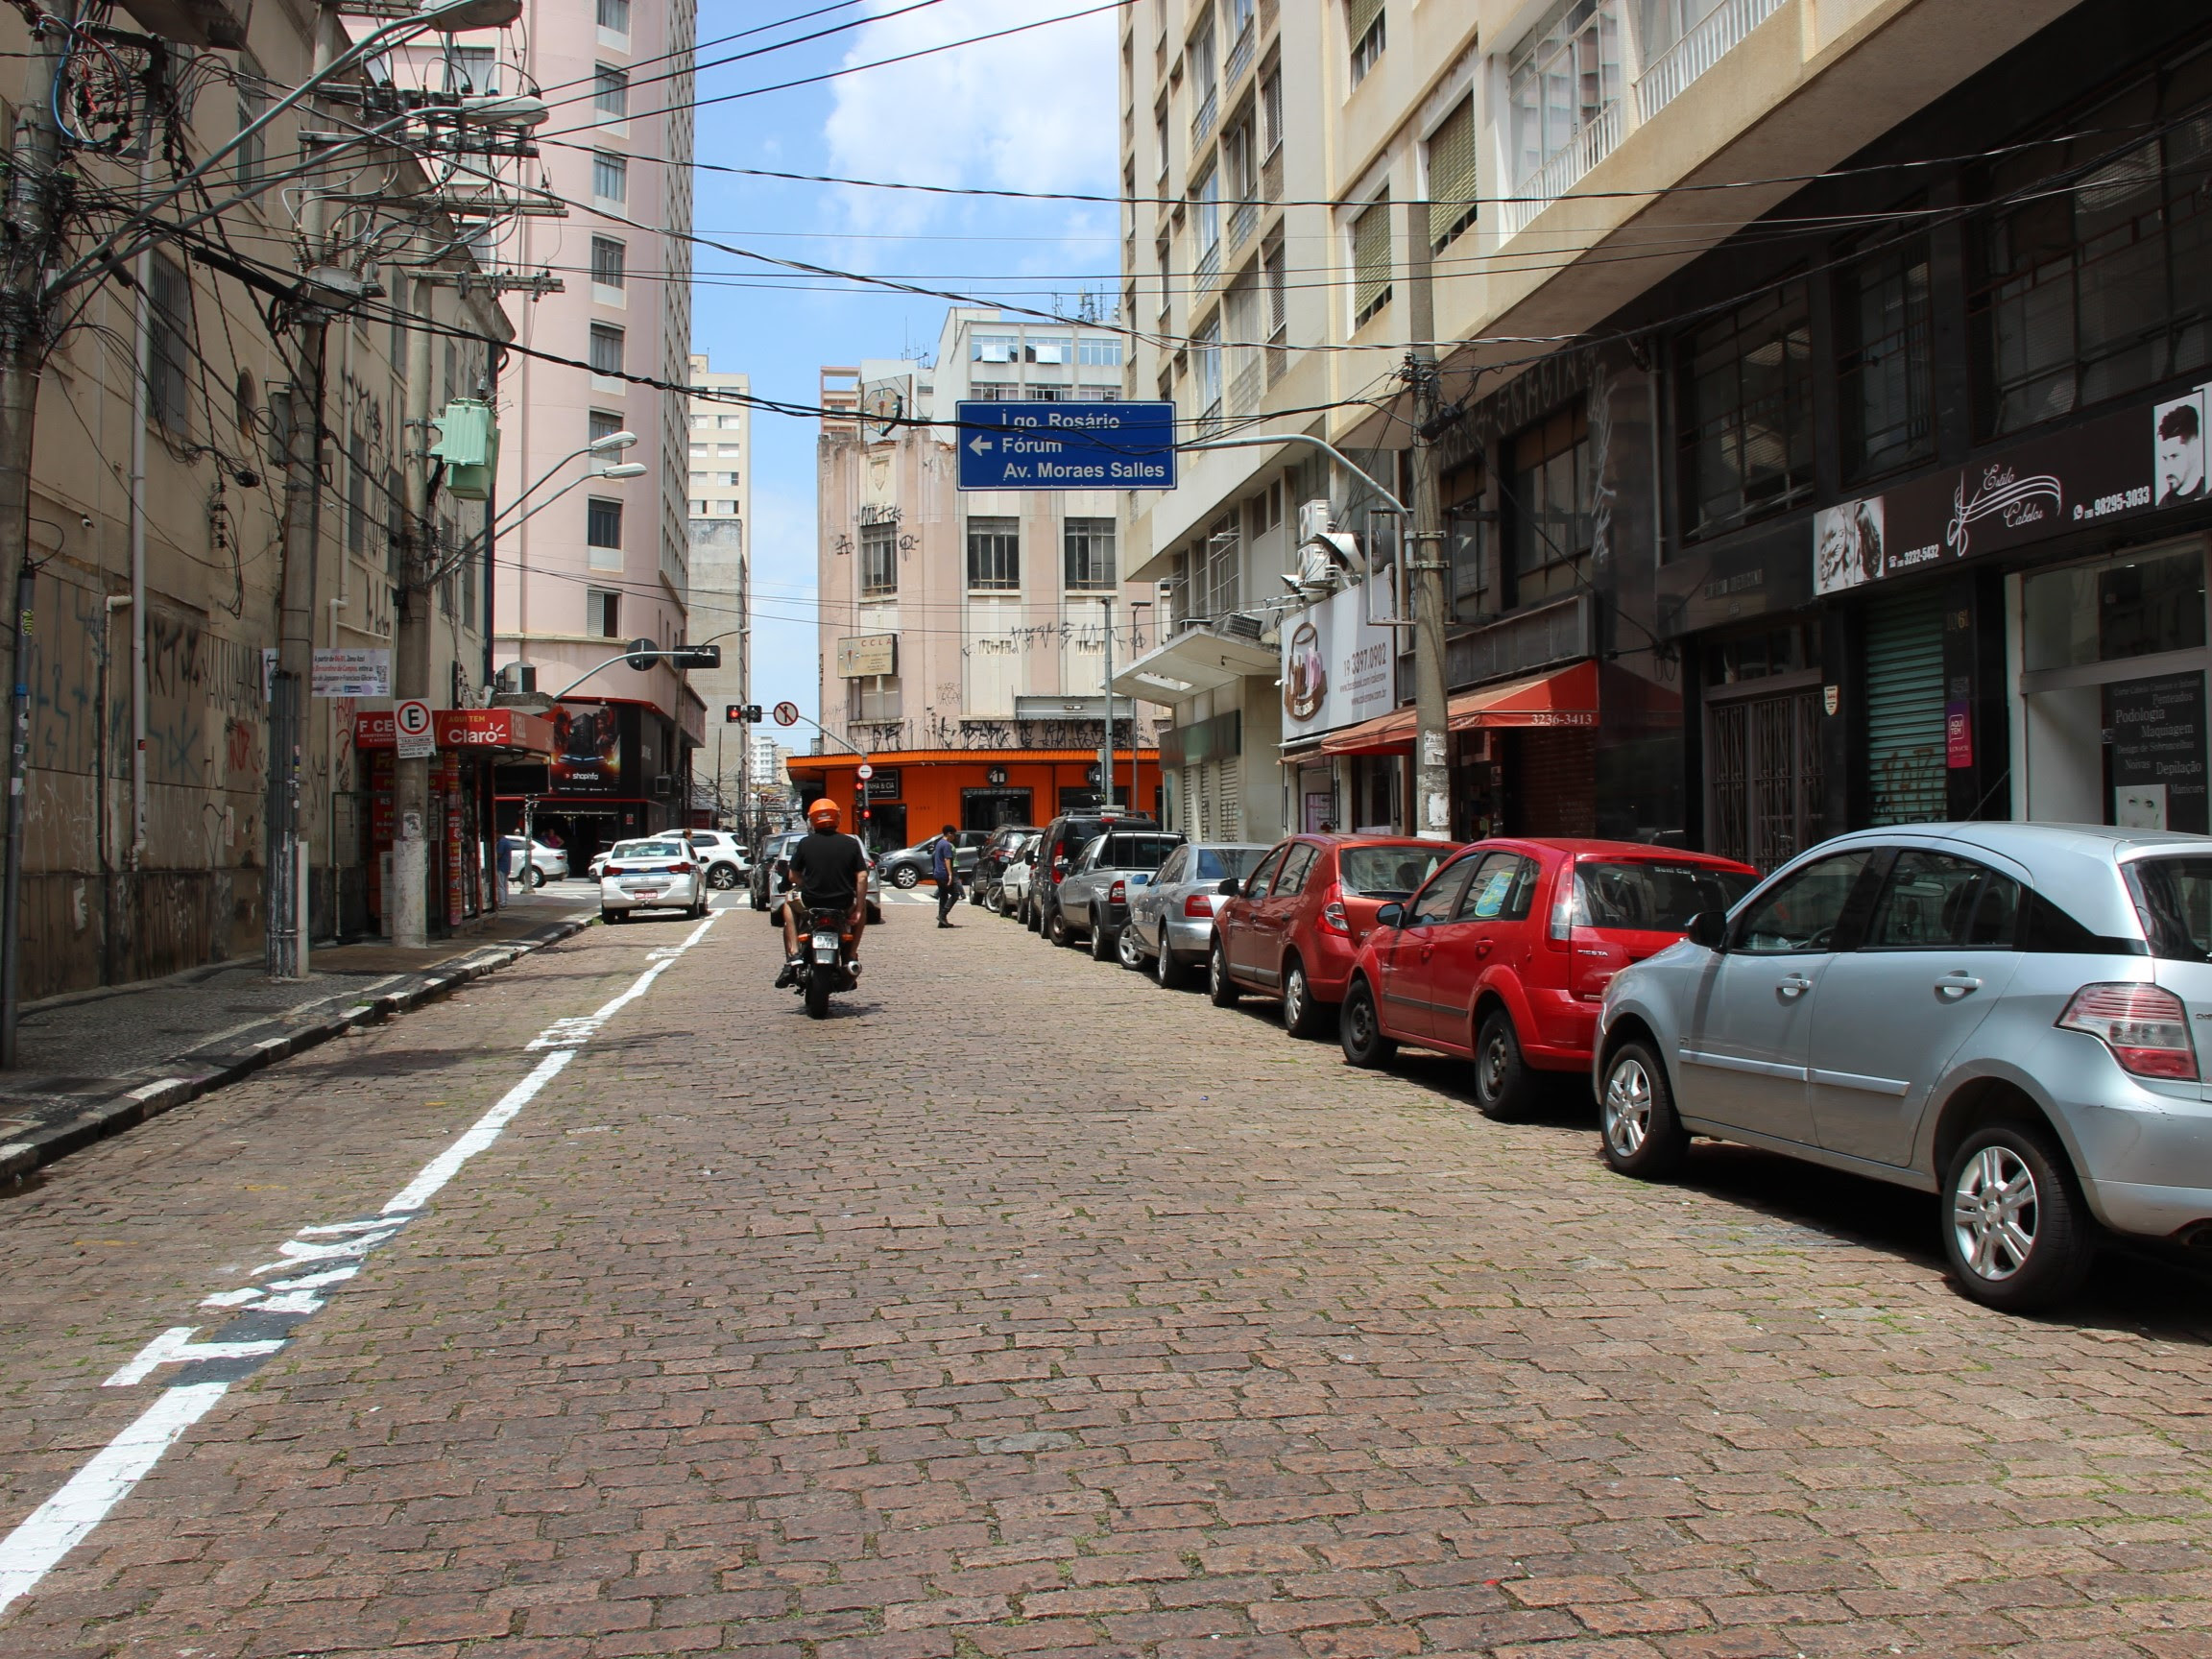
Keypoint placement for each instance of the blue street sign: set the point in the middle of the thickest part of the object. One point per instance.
(1065, 446)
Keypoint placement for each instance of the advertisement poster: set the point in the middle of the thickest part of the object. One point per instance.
(2157, 730)
(347, 673)
(587, 748)
(1336, 667)
(2133, 462)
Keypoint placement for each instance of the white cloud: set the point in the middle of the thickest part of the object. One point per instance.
(1032, 112)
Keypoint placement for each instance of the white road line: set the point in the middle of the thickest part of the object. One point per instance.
(59, 1524)
(65, 1520)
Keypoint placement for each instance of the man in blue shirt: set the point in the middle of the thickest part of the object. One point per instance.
(947, 871)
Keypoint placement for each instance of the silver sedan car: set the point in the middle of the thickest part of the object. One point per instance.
(2001, 1014)
(1171, 922)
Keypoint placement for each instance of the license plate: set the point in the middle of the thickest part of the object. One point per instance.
(644, 892)
(824, 947)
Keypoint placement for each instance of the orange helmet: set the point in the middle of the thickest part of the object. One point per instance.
(825, 812)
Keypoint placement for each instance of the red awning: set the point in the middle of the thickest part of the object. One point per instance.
(507, 732)
(1561, 697)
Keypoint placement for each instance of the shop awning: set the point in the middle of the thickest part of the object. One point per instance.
(1195, 659)
(1560, 697)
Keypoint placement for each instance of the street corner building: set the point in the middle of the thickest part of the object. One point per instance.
(1820, 409)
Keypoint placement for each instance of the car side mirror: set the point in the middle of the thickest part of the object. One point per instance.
(1230, 887)
(1390, 916)
(1709, 929)
(1059, 866)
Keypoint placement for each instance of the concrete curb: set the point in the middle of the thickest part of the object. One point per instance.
(153, 1090)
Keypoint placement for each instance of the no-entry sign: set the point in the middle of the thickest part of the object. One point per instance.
(787, 713)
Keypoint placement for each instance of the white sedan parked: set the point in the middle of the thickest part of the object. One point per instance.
(659, 874)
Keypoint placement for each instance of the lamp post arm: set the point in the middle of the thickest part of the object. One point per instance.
(1329, 449)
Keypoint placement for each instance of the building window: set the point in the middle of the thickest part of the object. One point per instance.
(356, 494)
(615, 15)
(606, 348)
(1167, 279)
(993, 348)
(1363, 27)
(994, 555)
(872, 697)
(1206, 373)
(607, 259)
(1563, 81)
(602, 612)
(1270, 114)
(1051, 349)
(168, 344)
(1746, 416)
(252, 101)
(2100, 282)
(1883, 324)
(993, 391)
(1371, 259)
(1206, 221)
(473, 69)
(1452, 192)
(1098, 353)
(602, 423)
(1160, 135)
(390, 513)
(1219, 560)
(1090, 553)
(610, 92)
(610, 176)
(1549, 489)
(603, 523)
(878, 561)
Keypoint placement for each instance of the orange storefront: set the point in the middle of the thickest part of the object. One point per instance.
(912, 795)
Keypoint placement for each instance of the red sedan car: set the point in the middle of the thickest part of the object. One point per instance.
(1504, 955)
(1292, 926)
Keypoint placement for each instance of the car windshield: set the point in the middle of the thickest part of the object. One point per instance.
(649, 850)
(1220, 863)
(1386, 871)
(1138, 852)
(2173, 896)
(1636, 895)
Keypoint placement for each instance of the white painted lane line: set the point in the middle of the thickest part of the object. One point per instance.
(65, 1520)
(59, 1524)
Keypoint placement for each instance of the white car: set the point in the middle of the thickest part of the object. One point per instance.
(543, 864)
(723, 857)
(659, 874)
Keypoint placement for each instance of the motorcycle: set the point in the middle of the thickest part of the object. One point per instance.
(825, 964)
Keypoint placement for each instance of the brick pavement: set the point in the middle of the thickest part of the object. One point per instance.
(1026, 1308)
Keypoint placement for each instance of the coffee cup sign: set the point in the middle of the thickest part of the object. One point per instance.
(411, 729)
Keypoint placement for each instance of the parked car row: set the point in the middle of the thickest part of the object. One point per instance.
(2003, 1015)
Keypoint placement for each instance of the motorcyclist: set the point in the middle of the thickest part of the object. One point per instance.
(829, 871)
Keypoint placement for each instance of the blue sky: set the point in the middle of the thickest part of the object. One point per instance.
(1034, 111)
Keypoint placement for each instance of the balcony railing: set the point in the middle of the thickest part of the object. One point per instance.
(1209, 265)
(1210, 419)
(1240, 56)
(1697, 52)
(1277, 355)
(1241, 219)
(1591, 144)
(1203, 117)
(1271, 175)
(1246, 380)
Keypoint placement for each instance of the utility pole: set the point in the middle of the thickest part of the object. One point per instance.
(409, 900)
(294, 646)
(1424, 554)
(32, 153)
(1106, 748)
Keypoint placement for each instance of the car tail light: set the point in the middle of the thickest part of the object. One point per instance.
(1332, 916)
(1117, 893)
(1199, 906)
(679, 869)
(2145, 1027)
(1563, 907)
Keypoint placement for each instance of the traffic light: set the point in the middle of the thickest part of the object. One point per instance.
(732, 713)
(753, 713)
(696, 657)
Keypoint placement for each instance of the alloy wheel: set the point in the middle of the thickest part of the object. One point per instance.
(1995, 1212)
(1627, 1107)
(905, 876)
(722, 878)
(1126, 950)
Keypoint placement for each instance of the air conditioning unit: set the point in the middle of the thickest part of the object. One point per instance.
(1315, 520)
(664, 787)
(1242, 627)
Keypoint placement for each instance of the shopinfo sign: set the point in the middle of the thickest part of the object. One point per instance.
(463, 728)
(1336, 667)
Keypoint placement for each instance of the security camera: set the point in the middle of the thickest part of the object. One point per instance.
(86, 519)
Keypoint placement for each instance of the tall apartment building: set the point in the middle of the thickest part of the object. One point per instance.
(1795, 392)
(591, 564)
(964, 636)
(720, 487)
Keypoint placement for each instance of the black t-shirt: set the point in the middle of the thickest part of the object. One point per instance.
(827, 870)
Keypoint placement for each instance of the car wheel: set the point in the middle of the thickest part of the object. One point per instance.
(722, 878)
(1503, 1086)
(1301, 1014)
(1101, 942)
(1360, 1029)
(2016, 1234)
(1635, 1121)
(535, 878)
(1057, 931)
(1127, 951)
(1167, 971)
(905, 876)
(609, 916)
(1218, 985)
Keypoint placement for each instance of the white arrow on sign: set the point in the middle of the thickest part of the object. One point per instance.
(980, 445)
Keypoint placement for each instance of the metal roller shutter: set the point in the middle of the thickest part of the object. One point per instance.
(1229, 800)
(1188, 804)
(1904, 710)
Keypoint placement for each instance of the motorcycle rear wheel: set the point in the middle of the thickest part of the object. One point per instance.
(818, 996)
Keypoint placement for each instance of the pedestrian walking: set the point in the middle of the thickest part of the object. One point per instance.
(947, 871)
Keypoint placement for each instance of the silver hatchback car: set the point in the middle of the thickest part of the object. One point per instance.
(2003, 1014)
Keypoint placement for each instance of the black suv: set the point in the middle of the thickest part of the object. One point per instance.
(1064, 839)
(991, 862)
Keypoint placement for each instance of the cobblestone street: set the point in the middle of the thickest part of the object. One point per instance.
(1024, 1308)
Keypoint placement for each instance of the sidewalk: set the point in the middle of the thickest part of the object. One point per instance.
(92, 1063)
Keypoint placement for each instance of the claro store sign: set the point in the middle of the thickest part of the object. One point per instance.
(1336, 667)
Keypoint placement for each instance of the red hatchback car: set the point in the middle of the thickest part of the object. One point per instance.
(1504, 955)
(1293, 927)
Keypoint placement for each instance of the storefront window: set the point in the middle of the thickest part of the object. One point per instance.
(1884, 387)
(1746, 415)
(1548, 507)
(2108, 612)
